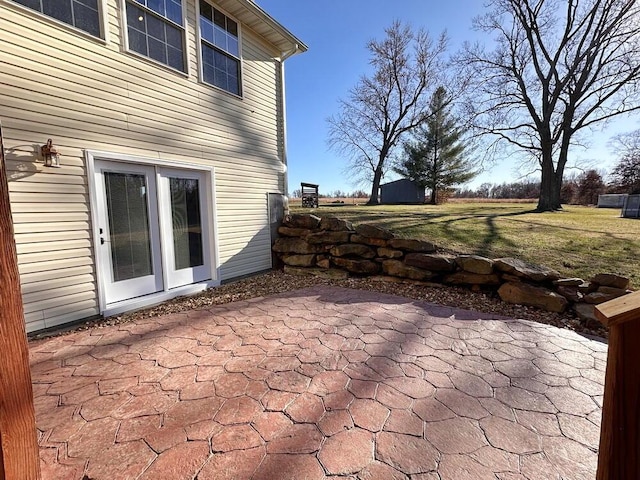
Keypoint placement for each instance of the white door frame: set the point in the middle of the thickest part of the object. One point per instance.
(91, 156)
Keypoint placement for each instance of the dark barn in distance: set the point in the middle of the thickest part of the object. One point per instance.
(401, 191)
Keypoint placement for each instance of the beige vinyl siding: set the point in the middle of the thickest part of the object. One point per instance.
(87, 94)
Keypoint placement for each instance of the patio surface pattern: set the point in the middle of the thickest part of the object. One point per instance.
(319, 383)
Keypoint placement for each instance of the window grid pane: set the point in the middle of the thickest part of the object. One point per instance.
(84, 18)
(82, 14)
(169, 9)
(60, 10)
(153, 36)
(220, 49)
(220, 69)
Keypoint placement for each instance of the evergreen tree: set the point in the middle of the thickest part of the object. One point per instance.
(436, 159)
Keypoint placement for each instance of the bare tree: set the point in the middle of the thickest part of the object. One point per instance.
(392, 101)
(589, 186)
(358, 194)
(626, 173)
(559, 67)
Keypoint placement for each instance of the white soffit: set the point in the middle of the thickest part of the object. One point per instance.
(254, 17)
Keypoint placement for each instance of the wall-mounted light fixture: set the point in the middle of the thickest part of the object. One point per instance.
(50, 155)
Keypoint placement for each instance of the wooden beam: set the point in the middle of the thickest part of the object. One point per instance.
(19, 458)
(619, 310)
(619, 452)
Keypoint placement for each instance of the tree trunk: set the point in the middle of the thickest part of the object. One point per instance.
(375, 188)
(562, 162)
(434, 174)
(550, 184)
(559, 174)
(434, 196)
(19, 456)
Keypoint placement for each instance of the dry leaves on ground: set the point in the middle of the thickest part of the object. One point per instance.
(274, 282)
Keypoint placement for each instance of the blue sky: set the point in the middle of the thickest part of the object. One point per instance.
(336, 32)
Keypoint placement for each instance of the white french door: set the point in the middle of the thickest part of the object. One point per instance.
(153, 228)
(184, 226)
(129, 243)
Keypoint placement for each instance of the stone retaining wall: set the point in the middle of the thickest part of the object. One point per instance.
(332, 247)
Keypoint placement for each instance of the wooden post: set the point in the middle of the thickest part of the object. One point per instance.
(619, 454)
(19, 458)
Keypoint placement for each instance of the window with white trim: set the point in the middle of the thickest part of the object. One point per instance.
(156, 30)
(220, 45)
(82, 14)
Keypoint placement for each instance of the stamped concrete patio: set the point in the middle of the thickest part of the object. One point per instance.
(319, 383)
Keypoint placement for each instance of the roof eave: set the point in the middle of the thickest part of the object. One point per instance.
(282, 38)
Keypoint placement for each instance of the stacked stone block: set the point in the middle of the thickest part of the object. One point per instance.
(332, 247)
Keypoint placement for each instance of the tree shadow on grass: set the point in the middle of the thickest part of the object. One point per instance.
(483, 243)
(403, 222)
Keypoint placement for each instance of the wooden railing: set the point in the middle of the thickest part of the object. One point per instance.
(619, 455)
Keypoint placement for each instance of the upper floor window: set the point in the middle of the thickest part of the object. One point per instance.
(156, 30)
(82, 14)
(220, 49)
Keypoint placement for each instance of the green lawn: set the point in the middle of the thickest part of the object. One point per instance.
(579, 241)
